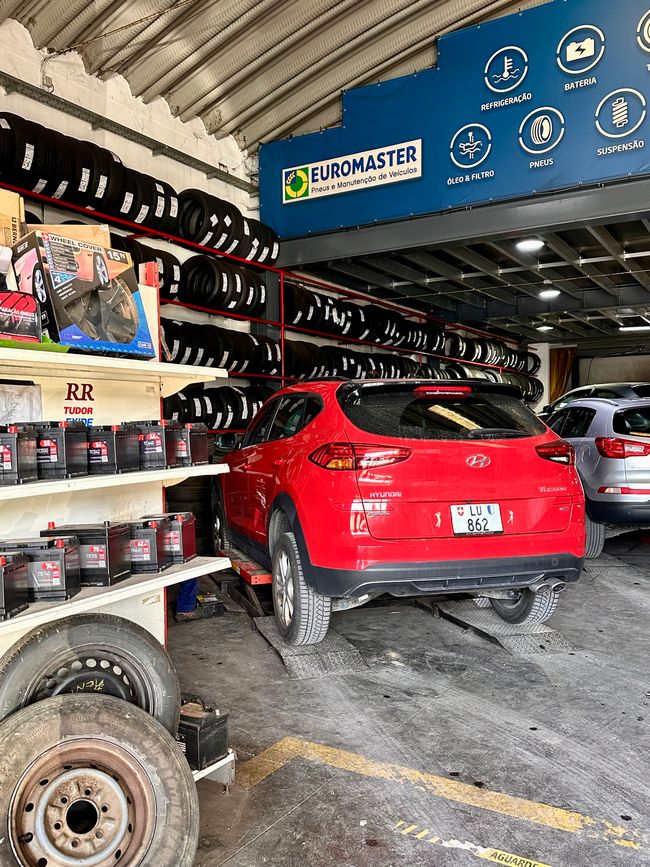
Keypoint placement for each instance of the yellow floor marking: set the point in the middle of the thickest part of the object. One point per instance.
(409, 829)
(272, 759)
(496, 856)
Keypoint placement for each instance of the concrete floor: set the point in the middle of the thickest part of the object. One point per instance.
(446, 750)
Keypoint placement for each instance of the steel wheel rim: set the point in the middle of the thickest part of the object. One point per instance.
(87, 802)
(283, 592)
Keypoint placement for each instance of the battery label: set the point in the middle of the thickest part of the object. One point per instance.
(181, 448)
(92, 556)
(46, 573)
(151, 444)
(47, 452)
(172, 541)
(98, 452)
(140, 550)
(6, 458)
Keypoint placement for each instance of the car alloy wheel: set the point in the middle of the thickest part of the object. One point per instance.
(283, 590)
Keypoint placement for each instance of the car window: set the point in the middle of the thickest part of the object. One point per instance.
(642, 390)
(577, 421)
(312, 407)
(568, 398)
(606, 393)
(288, 419)
(260, 426)
(556, 421)
(397, 411)
(633, 421)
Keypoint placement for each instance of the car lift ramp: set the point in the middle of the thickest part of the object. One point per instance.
(334, 655)
(517, 639)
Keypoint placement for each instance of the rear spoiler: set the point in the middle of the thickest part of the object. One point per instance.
(387, 386)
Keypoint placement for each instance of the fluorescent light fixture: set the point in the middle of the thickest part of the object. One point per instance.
(634, 328)
(549, 293)
(530, 245)
(545, 328)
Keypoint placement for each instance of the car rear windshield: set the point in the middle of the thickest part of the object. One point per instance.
(635, 422)
(408, 414)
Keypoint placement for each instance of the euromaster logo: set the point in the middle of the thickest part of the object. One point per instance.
(350, 172)
(296, 184)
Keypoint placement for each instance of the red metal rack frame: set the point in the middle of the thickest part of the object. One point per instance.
(288, 276)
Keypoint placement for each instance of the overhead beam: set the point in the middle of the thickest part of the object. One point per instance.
(614, 248)
(567, 252)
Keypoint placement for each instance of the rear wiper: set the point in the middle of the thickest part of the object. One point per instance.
(495, 433)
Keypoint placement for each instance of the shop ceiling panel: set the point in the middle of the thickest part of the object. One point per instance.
(550, 99)
(258, 69)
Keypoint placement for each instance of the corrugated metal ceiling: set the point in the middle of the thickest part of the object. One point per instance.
(256, 69)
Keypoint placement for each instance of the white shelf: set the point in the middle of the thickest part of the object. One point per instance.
(37, 363)
(122, 480)
(222, 771)
(97, 598)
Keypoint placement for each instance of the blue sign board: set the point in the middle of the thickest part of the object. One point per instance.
(548, 99)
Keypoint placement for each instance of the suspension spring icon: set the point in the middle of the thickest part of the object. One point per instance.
(620, 112)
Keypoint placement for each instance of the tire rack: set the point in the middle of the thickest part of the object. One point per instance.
(137, 231)
(125, 388)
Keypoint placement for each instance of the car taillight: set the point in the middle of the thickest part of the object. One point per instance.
(635, 492)
(613, 447)
(560, 451)
(356, 456)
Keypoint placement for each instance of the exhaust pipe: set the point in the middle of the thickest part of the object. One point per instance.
(554, 585)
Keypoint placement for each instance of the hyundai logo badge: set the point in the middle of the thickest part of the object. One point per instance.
(478, 462)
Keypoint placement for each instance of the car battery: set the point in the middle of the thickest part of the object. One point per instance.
(113, 449)
(148, 541)
(187, 444)
(53, 571)
(153, 445)
(179, 538)
(61, 449)
(17, 454)
(104, 551)
(13, 584)
(202, 733)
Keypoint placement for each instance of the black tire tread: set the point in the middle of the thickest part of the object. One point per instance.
(315, 609)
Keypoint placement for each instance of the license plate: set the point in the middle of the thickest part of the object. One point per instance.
(477, 519)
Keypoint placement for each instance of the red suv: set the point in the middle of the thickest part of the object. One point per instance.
(348, 490)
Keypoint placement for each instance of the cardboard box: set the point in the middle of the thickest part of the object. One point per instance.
(88, 293)
(99, 235)
(12, 218)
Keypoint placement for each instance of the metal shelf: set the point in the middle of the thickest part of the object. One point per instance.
(36, 363)
(168, 477)
(98, 598)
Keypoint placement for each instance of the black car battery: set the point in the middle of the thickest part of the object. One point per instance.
(104, 551)
(61, 449)
(53, 571)
(113, 449)
(202, 733)
(153, 445)
(17, 454)
(13, 584)
(148, 541)
(187, 444)
(179, 538)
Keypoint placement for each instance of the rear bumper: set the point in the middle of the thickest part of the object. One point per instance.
(460, 576)
(619, 512)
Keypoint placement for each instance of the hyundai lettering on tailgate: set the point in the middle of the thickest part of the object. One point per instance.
(476, 519)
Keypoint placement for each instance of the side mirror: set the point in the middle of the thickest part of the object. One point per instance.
(226, 442)
(547, 408)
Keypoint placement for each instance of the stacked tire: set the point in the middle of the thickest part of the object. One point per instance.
(212, 222)
(219, 285)
(48, 162)
(213, 346)
(491, 351)
(223, 407)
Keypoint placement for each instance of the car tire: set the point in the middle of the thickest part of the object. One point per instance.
(88, 775)
(528, 607)
(302, 615)
(91, 653)
(595, 538)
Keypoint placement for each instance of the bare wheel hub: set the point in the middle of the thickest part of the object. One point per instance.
(86, 802)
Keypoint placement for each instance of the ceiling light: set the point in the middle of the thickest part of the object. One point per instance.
(530, 245)
(545, 328)
(634, 328)
(549, 293)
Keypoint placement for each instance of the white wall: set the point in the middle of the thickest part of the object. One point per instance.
(620, 368)
(112, 98)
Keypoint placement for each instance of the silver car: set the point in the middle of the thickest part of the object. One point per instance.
(610, 390)
(612, 443)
